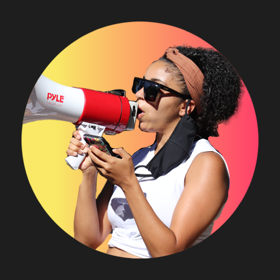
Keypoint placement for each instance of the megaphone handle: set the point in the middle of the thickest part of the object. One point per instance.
(75, 161)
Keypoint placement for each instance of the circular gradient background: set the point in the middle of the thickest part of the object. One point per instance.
(106, 59)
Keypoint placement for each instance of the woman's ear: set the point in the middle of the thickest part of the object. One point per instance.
(184, 110)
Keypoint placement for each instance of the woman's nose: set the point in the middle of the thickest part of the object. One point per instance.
(140, 93)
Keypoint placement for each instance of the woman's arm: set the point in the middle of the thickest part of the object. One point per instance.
(204, 195)
(91, 225)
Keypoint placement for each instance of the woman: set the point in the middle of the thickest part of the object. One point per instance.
(175, 209)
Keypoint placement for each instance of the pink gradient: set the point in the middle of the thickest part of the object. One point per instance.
(238, 143)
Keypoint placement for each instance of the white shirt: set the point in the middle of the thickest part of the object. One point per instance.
(162, 194)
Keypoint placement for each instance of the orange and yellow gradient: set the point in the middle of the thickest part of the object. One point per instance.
(109, 58)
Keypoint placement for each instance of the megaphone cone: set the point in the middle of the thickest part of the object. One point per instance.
(52, 101)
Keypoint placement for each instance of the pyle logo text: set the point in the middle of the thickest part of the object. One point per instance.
(56, 97)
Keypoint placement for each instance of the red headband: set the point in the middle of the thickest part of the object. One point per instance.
(191, 73)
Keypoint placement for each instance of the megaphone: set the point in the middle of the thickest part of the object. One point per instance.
(93, 112)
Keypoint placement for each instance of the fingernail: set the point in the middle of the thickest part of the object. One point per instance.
(74, 154)
(82, 147)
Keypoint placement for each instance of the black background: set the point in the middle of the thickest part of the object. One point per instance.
(34, 244)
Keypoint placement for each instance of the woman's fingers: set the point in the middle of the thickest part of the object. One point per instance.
(121, 152)
(73, 150)
(116, 170)
(77, 135)
(76, 147)
(98, 157)
(77, 143)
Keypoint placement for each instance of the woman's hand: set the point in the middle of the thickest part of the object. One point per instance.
(116, 170)
(77, 147)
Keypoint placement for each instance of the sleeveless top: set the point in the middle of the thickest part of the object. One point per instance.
(162, 194)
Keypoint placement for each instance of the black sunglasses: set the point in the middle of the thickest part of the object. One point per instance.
(151, 89)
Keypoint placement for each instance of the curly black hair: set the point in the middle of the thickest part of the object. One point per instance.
(221, 85)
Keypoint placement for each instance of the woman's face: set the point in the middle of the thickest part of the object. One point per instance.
(161, 115)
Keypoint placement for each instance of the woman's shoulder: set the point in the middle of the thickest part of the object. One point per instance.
(203, 153)
(208, 163)
(208, 170)
(209, 157)
(203, 148)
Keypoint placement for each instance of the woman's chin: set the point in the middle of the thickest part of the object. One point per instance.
(143, 127)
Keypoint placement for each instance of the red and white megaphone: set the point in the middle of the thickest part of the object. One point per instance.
(93, 112)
